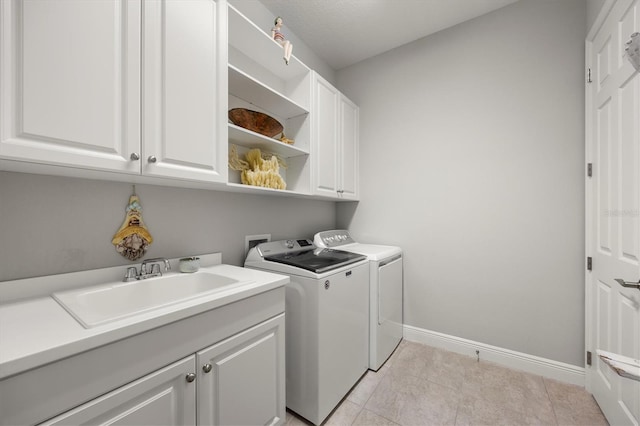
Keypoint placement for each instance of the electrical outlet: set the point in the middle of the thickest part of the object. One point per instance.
(250, 241)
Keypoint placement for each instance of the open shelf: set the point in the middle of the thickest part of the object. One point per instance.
(238, 187)
(245, 36)
(243, 137)
(295, 173)
(256, 93)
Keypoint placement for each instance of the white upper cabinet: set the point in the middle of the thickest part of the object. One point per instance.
(184, 92)
(115, 85)
(70, 82)
(334, 143)
(139, 90)
(348, 170)
(325, 138)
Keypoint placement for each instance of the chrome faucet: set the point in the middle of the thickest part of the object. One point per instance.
(155, 267)
(132, 272)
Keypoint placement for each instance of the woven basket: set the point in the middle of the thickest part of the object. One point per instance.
(255, 121)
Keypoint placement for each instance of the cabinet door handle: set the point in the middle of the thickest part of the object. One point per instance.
(628, 284)
(134, 156)
(207, 368)
(152, 159)
(191, 377)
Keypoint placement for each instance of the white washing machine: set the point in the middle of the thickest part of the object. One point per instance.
(385, 291)
(326, 321)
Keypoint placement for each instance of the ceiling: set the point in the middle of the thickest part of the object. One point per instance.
(343, 32)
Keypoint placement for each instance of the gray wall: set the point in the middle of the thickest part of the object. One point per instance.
(52, 225)
(471, 156)
(593, 9)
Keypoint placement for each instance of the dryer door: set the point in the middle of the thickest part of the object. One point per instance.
(390, 293)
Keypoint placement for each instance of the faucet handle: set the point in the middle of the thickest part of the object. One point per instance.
(131, 274)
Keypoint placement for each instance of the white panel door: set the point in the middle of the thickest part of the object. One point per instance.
(184, 74)
(241, 380)
(325, 138)
(613, 212)
(70, 82)
(164, 397)
(349, 127)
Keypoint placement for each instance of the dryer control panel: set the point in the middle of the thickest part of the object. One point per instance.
(335, 238)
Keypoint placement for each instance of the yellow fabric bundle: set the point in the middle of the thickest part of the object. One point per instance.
(257, 171)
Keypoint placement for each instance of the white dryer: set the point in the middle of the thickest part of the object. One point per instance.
(385, 291)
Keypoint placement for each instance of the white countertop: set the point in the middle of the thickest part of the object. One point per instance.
(37, 331)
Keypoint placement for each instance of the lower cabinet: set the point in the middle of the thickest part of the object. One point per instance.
(241, 379)
(238, 381)
(164, 397)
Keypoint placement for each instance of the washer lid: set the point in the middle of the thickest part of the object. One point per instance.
(317, 260)
(373, 251)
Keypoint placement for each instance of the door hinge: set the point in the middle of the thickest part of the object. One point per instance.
(589, 76)
(589, 264)
(588, 357)
(590, 169)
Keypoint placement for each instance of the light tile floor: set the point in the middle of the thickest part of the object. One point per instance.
(421, 385)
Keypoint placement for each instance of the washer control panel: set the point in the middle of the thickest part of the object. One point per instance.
(335, 238)
(285, 246)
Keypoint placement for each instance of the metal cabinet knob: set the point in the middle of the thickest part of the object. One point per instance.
(191, 377)
(207, 368)
(152, 159)
(134, 156)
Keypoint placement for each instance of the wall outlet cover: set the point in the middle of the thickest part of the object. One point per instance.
(250, 241)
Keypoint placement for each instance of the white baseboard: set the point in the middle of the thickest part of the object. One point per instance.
(517, 360)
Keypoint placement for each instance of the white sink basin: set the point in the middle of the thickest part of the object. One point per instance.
(101, 304)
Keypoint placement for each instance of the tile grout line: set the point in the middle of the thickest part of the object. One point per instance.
(372, 392)
(553, 407)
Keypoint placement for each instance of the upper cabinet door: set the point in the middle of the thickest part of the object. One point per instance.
(70, 82)
(185, 79)
(334, 142)
(325, 143)
(349, 119)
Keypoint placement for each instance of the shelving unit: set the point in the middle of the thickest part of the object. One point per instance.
(260, 80)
